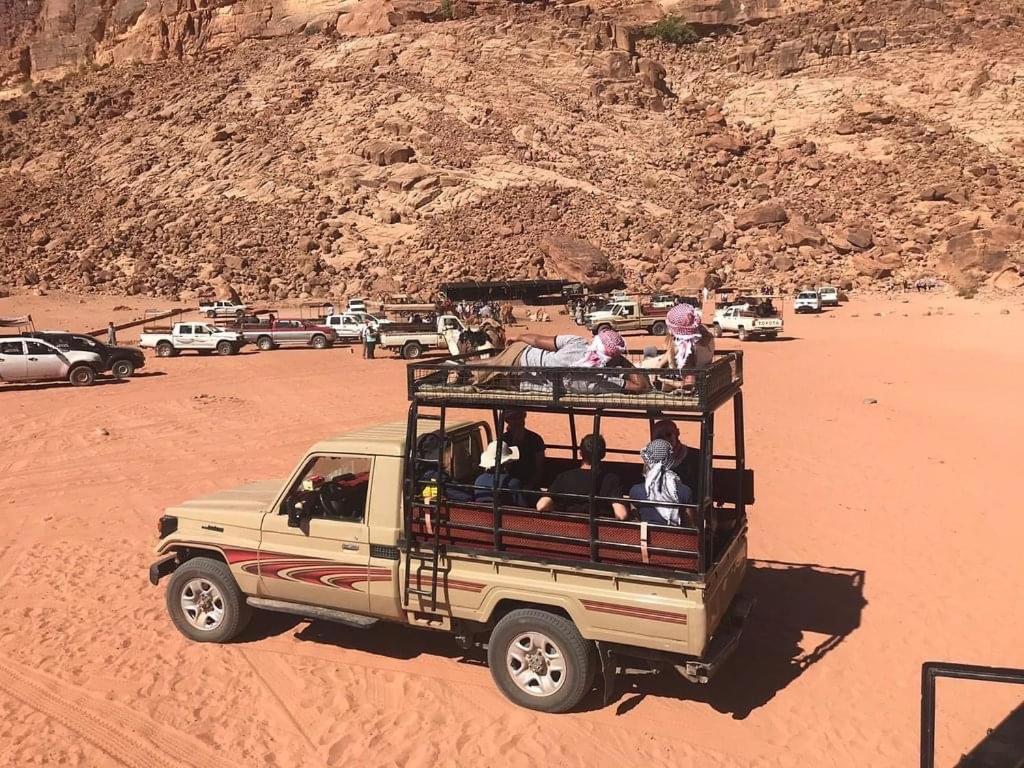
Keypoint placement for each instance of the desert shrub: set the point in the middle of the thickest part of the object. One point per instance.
(672, 29)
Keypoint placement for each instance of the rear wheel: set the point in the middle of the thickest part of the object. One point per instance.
(205, 603)
(211, 314)
(540, 661)
(658, 329)
(122, 369)
(239, 314)
(165, 349)
(412, 350)
(265, 343)
(319, 341)
(225, 348)
(742, 333)
(81, 376)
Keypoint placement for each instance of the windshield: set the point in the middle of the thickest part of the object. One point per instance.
(808, 296)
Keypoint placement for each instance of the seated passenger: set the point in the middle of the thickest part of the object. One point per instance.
(530, 467)
(428, 448)
(688, 345)
(510, 487)
(606, 350)
(686, 461)
(661, 484)
(581, 481)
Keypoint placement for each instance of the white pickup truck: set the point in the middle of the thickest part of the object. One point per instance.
(349, 325)
(219, 308)
(742, 320)
(807, 301)
(203, 338)
(411, 340)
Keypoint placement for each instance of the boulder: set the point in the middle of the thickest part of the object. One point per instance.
(798, 233)
(728, 142)
(866, 266)
(759, 215)
(743, 263)
(578, 260)
(983, 249)
(867, 39)
(788, 57)
(383, 152)
(782, 263)
(860, 238)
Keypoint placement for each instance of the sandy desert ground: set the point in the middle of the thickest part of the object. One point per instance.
(885, 534)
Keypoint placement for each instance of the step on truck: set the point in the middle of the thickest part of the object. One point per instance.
(194, 336)
(381, 525)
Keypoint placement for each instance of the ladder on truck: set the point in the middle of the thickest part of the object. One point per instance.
(424, 559)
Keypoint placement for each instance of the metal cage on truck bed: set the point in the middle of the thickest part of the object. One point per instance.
(436, 523)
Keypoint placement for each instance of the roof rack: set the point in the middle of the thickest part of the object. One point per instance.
(468, 381)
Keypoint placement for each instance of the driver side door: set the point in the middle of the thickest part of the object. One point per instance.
(324, 559)
(12, 360)
(43, 361)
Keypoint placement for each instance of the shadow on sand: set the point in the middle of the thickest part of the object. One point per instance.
(796, 604)
(1002, 747)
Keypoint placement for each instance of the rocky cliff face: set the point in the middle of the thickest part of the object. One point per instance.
(304, 149)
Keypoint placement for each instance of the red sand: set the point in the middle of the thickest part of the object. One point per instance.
(908, 510)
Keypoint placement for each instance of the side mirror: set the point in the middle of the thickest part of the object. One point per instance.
(297, 514)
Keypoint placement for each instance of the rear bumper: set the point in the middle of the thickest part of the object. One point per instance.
(722, 645)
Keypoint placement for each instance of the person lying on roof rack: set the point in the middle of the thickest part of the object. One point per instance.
(688, 344)
(606, 350)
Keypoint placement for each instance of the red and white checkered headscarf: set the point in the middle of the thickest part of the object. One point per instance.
(606, 345)
(683, 323)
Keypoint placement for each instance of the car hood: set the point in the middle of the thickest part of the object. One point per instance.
(75, 356)
(245, 501)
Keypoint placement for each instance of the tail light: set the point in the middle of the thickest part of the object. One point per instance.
(166, 525)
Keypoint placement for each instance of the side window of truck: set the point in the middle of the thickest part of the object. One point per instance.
(331, 488)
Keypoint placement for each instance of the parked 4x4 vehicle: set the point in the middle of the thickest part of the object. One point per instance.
(30, 359)
(807, 301)
(221, 308)
(270, 333)
(122, 362)
(380, 524)
(829, 296)
(203, 338)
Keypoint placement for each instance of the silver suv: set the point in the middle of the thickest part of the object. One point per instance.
(26, 359)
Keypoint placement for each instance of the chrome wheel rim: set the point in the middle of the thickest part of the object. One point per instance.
(203, 604)
(536, 664)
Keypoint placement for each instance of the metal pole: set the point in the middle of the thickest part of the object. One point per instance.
(741, 453)
(707, 442)
(594, 470)
(927, 715)
(496, 482)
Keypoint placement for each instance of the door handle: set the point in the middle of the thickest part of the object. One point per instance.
(350, 547)
(34, 359)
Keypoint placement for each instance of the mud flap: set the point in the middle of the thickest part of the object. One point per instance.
(609, 671)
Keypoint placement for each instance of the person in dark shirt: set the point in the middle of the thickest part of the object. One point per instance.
(529, 469)
(581, 481)
(483, 486)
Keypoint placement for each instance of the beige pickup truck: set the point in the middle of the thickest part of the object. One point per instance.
(373, 526)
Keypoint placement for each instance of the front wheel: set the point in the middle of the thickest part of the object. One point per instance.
(658, 329)
(540, 661)
(205, 603)
(412, 350)
(225, 348)
(122, 369)
(319, 342)
(81, 376)
(211, 314)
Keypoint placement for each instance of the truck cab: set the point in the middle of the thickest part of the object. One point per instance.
(386, 523)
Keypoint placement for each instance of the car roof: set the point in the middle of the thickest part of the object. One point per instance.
(381, 439)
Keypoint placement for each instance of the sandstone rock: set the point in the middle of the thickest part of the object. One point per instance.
(860, 238)
(760, 215)
(1010, 279)
(729, 142)
(788, 58)
(383, 152)
(798, 233)
(743, 263)
(867, 266)
(867, 39)
(782, 263)
(984, 249)
(578, 260)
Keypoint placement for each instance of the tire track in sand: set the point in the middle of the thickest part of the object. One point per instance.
(131, 739)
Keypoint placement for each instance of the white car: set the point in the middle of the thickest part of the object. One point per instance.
(807, 301)
(746, 323)
(221, 309)
(24, 359)
(829, 296)
(349, 326)
(203, 338)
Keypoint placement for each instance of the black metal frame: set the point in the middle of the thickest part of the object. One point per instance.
(930, 672)
(429, 555)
